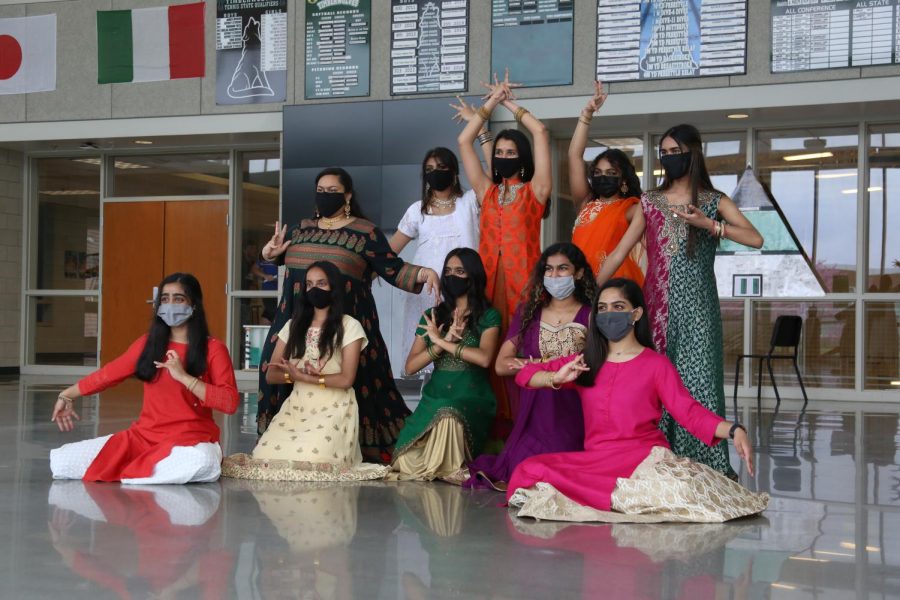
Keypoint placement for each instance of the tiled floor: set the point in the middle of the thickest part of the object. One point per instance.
(832, 529)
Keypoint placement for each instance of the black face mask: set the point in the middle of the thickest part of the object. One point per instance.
(676, 166)
(506, 167)
(455, 286)
(605, 186)
(439, 180)
(329, 203)
(318, 297)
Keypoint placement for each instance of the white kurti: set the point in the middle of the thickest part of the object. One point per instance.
(437, 235)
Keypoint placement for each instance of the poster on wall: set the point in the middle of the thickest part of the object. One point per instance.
(429, 46)
(338, 48)
(251, 51)
(830, 34)
(667, 39)
(534, 40)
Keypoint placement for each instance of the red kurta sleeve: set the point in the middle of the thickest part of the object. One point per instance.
(528, 371)
(221, 388)
(114, 372)
(689, 413)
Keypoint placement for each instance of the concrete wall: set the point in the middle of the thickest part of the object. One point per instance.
(78, 96)
(10, 256)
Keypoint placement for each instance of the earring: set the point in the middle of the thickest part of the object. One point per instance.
(522, 172)
(347, 210)
(427, 189)
(318, 216)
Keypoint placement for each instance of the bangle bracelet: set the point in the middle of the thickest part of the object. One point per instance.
(430, 350)
(322, 382)
(483, 112)
(459, 349)
(722, 230)
(550, 381)
(190, 386)
(585, 121)
(520, 112)
(287, 377)
(66, 399)
(734, 429)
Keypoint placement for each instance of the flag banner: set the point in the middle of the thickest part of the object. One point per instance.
(28, 54)
(150, 44)
(251, 51)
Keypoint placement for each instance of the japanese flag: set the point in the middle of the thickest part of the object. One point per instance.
(28, 54)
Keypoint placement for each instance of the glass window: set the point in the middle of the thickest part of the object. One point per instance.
(62, 330)
(884, 209)
(882, 339)
(170, 175)
(632, 146)
(68, 224)
(812, 175)
(732, 335)
(827, 347)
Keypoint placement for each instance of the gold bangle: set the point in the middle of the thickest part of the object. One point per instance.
(585, 121)
(430, 350)
(322, 382)
(483, 112)
(520, 112)
(459, 350)
(550, 381)
(191, 385)
(69, 401)
(287, 378)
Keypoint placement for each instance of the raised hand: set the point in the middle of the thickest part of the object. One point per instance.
(597, 100)
(456, 329)
(63, 413)
(431, 328)
(432, 283)
(464, 111)
(277, 245)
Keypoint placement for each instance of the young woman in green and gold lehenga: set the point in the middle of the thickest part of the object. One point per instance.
(460, 336)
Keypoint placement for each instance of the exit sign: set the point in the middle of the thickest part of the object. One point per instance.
(747, 286)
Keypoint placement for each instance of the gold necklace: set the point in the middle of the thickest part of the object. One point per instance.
(331, 223)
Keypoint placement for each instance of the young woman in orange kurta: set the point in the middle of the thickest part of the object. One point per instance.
(606, 199)
(513, 200)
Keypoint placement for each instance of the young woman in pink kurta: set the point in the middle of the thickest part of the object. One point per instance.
(624, 386)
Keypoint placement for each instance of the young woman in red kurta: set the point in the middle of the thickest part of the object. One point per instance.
(186, 375)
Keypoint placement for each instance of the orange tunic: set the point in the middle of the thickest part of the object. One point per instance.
(510, 244)
(599, 228)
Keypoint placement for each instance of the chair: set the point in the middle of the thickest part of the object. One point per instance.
(785, 334)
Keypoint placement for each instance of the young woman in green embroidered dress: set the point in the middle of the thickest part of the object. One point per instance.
(684, 219)
(460, 337)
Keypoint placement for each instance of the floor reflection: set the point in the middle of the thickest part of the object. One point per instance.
(832, 529)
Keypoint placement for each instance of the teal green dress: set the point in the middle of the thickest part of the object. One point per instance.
(457, 389)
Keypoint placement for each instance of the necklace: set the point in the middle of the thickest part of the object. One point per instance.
(439, 203)
(628, 351)
(332, 223)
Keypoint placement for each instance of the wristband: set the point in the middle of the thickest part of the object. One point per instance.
(734, 428)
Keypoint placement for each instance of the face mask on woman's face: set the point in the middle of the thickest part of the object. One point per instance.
(455, 286)
(605, 186)
(329, 203)
(676, 166)
(318, 297)
(506, 167)
(613, 325)
(174, 315)
(560, 287)
(439, 180)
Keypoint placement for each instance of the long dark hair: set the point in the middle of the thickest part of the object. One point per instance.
(688, 137)
(347, 182)
(158, 336)
(537, 297)
(443, 156)
(622, 162)
(332, 330)
(597, 347)
(478, 302)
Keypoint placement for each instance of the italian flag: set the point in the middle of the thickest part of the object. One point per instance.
(150, 44)
(28, 54)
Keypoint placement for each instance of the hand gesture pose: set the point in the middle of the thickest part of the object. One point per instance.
(693, 216)
(64, 412)
(432, 283)
(278, 245)
(570, 371)
(464, 111)
(499, 91)
(517, 364)
(431, 328)
(457, 328)
(292, 369)
(174, 366)
(597, 100)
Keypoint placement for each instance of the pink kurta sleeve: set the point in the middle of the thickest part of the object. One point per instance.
(689, 413)
(221, 388)
(115, 371)
(528, 371)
